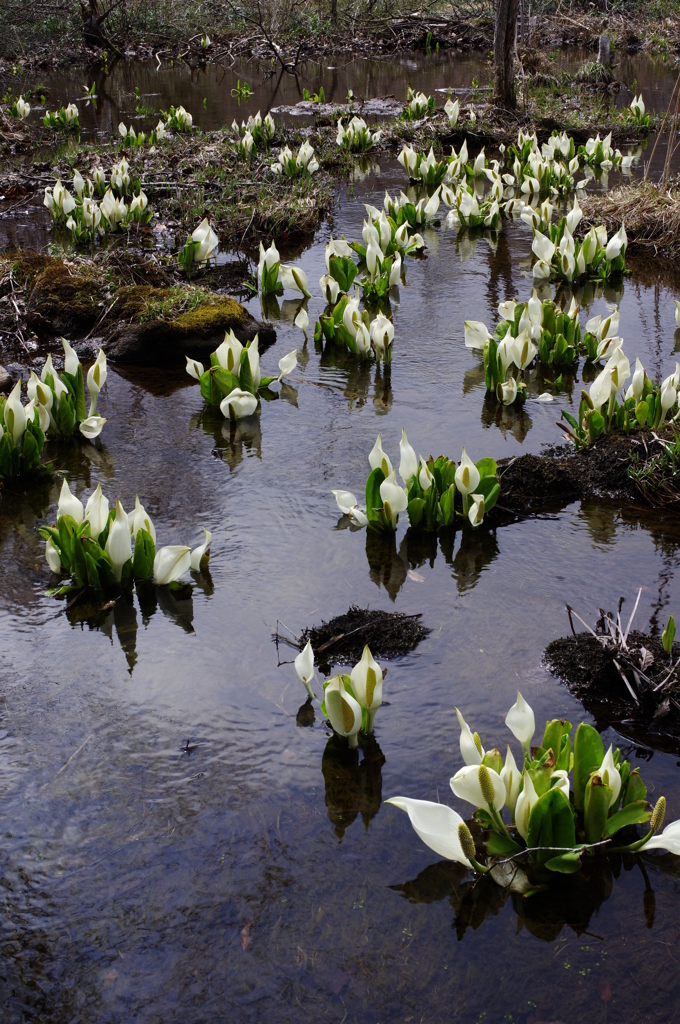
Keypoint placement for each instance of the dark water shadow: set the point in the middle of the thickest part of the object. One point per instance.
(571, 902)
(352, 780)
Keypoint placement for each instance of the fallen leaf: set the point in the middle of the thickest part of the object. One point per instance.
(604, 989)
(245, 936)
(415, 576)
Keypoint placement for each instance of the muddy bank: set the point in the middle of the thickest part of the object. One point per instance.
(646, 707)
(343, 638)
(628, 467)
(139, 322)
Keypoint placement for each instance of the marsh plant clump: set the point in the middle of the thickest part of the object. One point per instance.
(566, 801)
(56, 405)
(350, 702)
(435, 492)
(233, 381)
(98, 547)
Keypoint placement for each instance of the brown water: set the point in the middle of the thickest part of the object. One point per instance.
(176, 846)
(135, 92)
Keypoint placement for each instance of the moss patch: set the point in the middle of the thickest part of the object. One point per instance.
(136, 321)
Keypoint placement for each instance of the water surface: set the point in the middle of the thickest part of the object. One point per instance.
(176, 846)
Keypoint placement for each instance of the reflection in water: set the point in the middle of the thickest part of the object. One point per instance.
(352, 787)
(571, 903)
(467, 238)
(389, 566)
(510, 419)
(120, 614)
(242, 438)
(363, 168)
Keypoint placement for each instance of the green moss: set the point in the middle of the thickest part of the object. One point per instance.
(74, 295)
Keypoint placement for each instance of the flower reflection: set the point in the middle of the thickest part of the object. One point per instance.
(353, 781)
(510, 419)
(236, 440)
(466, 552)
(467, 238)
(121, 615)
(544, 915)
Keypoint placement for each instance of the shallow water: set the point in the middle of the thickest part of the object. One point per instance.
(176, 846)
(135, 92)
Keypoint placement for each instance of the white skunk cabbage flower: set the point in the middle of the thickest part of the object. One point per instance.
(480, 786)
(436, 824)
(521, 722)
(344, 712)
(203, 550)
(408, 463)
(304, 666)
(69, 505)
(512, 780)
(170, 563)
(207, 240)
(97, 511)
(467, 475)
(119, 541)
(471, 747)
(238, 404)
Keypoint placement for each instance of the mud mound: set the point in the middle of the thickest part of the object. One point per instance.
(589, 670)
(342, 639)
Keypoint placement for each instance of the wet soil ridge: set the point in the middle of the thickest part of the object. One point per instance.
(629, 467)
(636, 686)
(137, 322)
(343, 638)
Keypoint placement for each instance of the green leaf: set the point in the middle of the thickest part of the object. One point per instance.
(487, 467)
(92, 572)
(491, 490)
(373, 499)
(491, 371)
(144, 555)
(668, 636)
(416, 511)
(551, 824)
(636, 813)
(246, 382)
(596, 801)
(498, 845)
(226, 381)
(79, 385)
(344, 270)
(556, 737)
(565, 863)
(78, 562)
(66, 417)
(588, 756)
(447, 504)
(635, 788)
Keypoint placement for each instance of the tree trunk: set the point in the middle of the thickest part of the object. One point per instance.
(504, 53)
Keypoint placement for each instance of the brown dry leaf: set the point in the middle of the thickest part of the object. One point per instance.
(604, 989)
(246, 938)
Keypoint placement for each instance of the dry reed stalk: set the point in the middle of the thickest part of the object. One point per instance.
(650, 212)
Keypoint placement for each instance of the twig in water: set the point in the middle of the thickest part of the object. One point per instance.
(65, 766)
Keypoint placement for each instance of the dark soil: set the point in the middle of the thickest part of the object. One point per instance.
(342, 639)
(564, 474)
(589, 671)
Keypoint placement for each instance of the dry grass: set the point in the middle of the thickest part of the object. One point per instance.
(650, 213)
